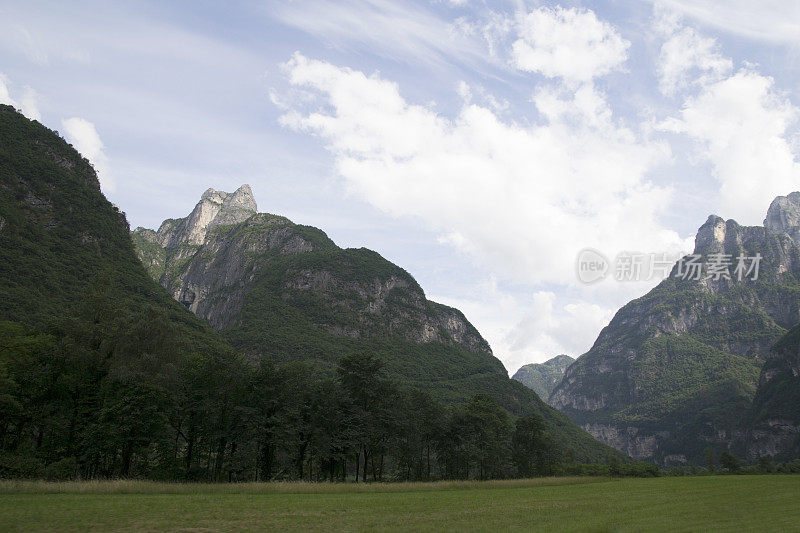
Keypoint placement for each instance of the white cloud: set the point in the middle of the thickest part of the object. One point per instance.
(523, 200)
(688, 53)
(739, 121)
(776, 21)
(548, 330)
(5, 94)
(572, 44)
(533, 327)
(84, 137)
(740, 124)
(27, 104)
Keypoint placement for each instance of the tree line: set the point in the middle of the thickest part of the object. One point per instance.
(108, 393)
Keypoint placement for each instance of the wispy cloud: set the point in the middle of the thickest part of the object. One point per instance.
(402, 31)
(775, 21)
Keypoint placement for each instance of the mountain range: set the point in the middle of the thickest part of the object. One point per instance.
(186, 351)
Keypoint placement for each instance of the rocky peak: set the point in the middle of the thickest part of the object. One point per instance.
(711, 235)
(215, 208)
(783, 216)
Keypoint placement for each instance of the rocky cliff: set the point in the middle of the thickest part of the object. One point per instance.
(676, 370)
(542, 378)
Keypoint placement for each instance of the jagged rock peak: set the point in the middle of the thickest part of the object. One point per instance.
(711, 235)
(783, 216)
(215, 208)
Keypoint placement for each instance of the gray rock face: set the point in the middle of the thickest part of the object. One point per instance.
(626, 439)
(676, 370)
(212, 279)
(211, 260)
(783, 216)
(216, 208)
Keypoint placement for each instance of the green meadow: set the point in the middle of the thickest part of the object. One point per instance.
(699, 503)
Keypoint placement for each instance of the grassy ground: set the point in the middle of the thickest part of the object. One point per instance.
(582, 504)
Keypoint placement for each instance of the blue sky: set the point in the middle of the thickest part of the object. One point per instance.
(480, 145)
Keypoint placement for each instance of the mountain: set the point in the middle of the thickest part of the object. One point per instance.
(542, 378)
(287, 292)
(676, 370)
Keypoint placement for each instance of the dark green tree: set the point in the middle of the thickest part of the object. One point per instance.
(364, 379)
(729, 461)
(532, 451)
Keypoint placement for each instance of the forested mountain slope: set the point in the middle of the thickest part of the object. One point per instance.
(774, 428)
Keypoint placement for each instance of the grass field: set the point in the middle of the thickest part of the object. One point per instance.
(574, 504)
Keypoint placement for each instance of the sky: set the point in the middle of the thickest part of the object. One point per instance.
(480, 145)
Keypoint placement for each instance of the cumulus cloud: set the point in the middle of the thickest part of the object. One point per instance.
(740, 124)
(29, 104)
(572, 44)
(84, 137)
(531, 327)
(5, 94)
(492, 188)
